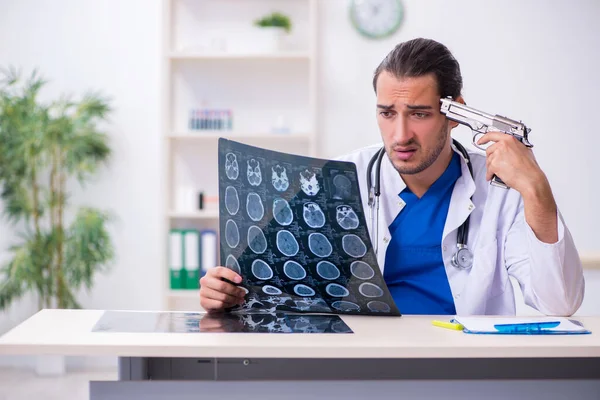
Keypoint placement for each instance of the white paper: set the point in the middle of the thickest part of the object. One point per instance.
(486, 324)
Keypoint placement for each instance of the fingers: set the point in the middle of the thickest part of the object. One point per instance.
(222, 272)
(217, 294)
(228, 300)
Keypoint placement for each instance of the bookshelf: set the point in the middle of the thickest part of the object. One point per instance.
(210, 61)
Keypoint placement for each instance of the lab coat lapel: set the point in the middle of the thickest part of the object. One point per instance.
(461, 205)
(390, 205)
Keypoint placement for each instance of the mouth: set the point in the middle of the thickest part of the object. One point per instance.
(404, 154)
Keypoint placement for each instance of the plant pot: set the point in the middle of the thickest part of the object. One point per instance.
(265, 39)
(48, 365)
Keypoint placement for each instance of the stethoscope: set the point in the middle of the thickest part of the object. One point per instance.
(462, 258)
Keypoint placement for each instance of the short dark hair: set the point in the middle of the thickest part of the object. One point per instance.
(420, 57)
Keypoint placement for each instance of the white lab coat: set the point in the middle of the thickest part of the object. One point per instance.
(503, 244)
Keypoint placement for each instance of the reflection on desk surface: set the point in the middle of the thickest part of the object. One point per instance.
(195, 322)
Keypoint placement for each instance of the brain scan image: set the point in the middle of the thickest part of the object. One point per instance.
(327, 270)
(282, 212)
(309, 183)
(343, 305)
(279, 178)
(335, 290)
(254, 174)
(346, 217)
(232, 234)
(261, 270)
(232, 201)
(319, 245)
(303, 290)
(361, 270)
(232, 264)
(294, 227)
(254, 207)
(313, 216)
(369, 289)
(378, 306)
(343, 187)
(354, 246)
(293, 270)
(286, 243)
(272, 290)
(232, 170)
(257, 240)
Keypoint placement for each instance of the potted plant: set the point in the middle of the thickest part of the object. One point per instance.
(42, 147)
(271, 29)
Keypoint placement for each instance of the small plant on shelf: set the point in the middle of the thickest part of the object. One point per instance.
(275, 19)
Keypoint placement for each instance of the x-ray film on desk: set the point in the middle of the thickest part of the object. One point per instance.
(294, 228)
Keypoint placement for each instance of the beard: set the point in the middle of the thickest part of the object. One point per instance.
(427, 159)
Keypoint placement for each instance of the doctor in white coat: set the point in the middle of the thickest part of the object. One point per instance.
(517, 232)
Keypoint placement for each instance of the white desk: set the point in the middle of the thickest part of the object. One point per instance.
(385, 356)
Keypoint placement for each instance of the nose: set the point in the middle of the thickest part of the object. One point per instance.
(402, 132)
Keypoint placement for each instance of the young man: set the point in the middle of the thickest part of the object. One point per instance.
(427, 193)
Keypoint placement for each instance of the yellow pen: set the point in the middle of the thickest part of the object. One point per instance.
(448, 325)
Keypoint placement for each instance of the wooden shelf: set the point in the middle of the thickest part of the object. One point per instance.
(190, 55)
(200, 214)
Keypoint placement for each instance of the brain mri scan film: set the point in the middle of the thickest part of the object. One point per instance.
(232, 169)
(369, 289)
(319, 245)
(293, 270)
(299, 237)
(261, 270)
(254, 207)
(309, 182)
(335, 290)
(232, 201)
(254, 174)
(232, 234)
(303, 290)
(343, 187)
(361, 270)
(313, 216)
(286, 243)
(354, 246)
(282, 212)
(327, 270)
(346, 217)
(257, 240)
(232, 264)
(378, 306)
(268, 289)
(279, 178)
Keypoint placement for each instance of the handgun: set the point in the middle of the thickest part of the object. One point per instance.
(481, 123)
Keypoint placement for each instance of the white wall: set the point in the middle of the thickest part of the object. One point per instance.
(536, 60)
(113, 46)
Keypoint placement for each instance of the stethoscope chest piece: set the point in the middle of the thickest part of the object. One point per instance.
(463, 258)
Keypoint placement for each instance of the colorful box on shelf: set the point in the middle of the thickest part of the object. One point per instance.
(210, 120)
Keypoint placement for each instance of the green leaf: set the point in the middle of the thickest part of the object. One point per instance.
(88, 247)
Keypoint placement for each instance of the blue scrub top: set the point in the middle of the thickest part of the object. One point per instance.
(414, 269)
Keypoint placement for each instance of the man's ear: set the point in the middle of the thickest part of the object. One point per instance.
(461, 100)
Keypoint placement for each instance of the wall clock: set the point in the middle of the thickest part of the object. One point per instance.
(376, 19)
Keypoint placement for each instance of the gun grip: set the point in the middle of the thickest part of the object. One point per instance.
(498, 182)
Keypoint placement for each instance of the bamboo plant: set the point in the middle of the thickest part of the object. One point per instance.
(46, 149)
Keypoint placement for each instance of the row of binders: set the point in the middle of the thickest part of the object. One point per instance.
(191, 254)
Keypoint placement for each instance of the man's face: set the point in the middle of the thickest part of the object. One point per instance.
(413, 130)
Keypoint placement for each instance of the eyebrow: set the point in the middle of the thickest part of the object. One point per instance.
(409, 106)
